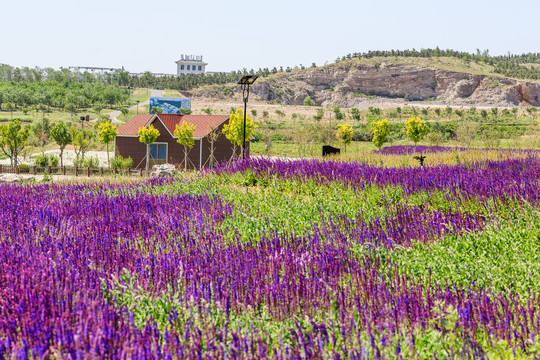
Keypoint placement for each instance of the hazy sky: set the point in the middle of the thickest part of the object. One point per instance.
(151, 35)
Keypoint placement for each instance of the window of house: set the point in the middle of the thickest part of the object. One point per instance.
(158, 151)
(188, 67)
(200, 67)
(181, 67)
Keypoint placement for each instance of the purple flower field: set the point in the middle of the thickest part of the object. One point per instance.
(129, 271)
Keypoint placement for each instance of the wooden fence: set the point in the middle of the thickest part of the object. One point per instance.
(69, 170)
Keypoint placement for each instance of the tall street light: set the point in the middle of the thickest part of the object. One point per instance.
(245, 81)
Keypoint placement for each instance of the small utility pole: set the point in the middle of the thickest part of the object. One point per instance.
(329, 127)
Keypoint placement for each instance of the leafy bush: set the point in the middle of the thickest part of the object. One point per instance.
(92, 162)
(46, 160)
(308, 101)
(119, 162)
(320, 114)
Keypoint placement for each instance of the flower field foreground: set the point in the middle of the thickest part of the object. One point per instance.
(269, 259)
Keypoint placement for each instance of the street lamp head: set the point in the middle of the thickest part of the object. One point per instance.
(247, 80)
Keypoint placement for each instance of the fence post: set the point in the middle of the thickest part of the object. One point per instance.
(49, 169)
(76, 171)
(88, 171)
(63, 170)
(34, 171)
(101, 171)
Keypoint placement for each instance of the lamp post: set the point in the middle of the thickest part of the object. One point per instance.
(137, 107)
(245, 81)
(83, 119)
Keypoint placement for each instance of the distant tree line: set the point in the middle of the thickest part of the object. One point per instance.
(508, 65)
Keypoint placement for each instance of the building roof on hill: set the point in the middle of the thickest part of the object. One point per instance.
(203, 123)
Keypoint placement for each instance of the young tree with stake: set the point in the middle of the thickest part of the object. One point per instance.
(147, 136)
(106, 133)
(345, 134)
(380, 129)
(234, 130)
(184, 134)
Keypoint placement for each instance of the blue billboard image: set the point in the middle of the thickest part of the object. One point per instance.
(170, 105)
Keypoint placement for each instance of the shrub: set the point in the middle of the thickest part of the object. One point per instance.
(92, 162)
(320, 114)
(119, 162)
(46, 160)
(280, 113)
(308, 101)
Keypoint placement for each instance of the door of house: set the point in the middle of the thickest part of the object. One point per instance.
(157, 154)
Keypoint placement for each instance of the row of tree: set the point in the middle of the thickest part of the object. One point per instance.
(14, 137)
(62, 95)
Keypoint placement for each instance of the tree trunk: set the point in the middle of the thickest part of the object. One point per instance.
(61, 157)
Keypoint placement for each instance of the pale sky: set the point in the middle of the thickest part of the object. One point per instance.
(151, 35)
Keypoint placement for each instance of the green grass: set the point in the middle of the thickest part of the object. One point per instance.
(171, 93)
(139, 94)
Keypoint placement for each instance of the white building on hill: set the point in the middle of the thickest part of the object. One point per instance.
(190, 64)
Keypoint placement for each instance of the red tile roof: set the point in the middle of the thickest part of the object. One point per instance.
(131, 127)
(203, 123)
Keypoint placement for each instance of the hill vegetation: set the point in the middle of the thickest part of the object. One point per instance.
(515, 66)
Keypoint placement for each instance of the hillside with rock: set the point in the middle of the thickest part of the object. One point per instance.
(353, 84)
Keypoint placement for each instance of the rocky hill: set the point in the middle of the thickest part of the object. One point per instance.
(353, 83)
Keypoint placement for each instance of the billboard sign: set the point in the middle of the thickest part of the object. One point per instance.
(170, 105)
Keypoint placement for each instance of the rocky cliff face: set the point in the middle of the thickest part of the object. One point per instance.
(349, 85)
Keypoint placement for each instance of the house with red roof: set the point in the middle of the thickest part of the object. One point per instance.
(166, 149)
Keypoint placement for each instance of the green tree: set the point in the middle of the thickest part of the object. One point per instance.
(125, 111)
(234, 129)
(355, 114)
(345, 134)
(184, 134)
(484, 114)
(10, 107)
(13, 138)
(71, 109)
(106, 133)
(339, 115)
(82, 140)
(61, 135)
(98, 108)
(156, 110)
(148, 135)
(448, 110)
(415, 129)
(320, 114)
(308, 101)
